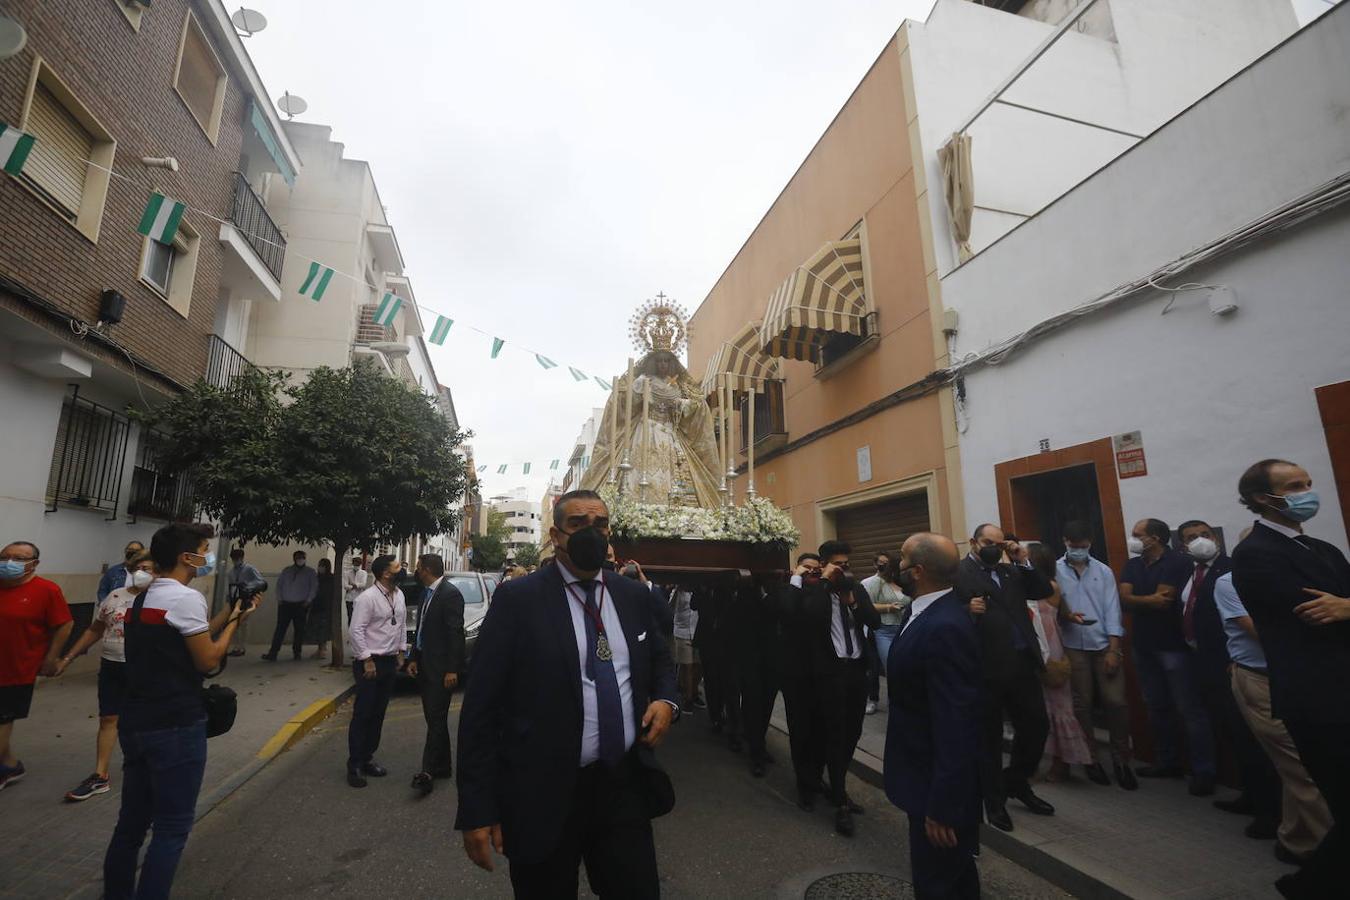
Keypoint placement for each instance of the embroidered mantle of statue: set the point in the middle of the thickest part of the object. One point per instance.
(677, 457)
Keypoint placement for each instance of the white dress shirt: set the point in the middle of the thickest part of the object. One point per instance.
(837, 627)
(379, 623)
(618, 645)
(921, 603)
(1282, 529)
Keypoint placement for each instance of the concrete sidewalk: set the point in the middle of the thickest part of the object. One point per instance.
(1104, 842)
(50, 848)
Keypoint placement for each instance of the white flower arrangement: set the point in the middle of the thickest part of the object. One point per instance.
(756, 521)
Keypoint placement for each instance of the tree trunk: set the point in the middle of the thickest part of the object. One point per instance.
(335, 601)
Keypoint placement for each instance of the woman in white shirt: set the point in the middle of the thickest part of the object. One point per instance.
(109, 625)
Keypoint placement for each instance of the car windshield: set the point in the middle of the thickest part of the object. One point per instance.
(468, 586)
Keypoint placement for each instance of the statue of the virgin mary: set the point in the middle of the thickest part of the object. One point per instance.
(657, 440)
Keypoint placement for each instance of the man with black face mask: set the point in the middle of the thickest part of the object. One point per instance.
(1010, 666)
(572, 686)
(836, 608)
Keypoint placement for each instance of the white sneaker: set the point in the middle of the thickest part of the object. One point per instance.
(871, 707)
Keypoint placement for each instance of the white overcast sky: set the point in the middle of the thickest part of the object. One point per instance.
(548, 166)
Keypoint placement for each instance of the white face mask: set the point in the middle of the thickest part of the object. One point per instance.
(1134, 545)
(1202, 549)
(141, 579)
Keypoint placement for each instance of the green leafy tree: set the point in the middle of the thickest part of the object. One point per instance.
(528, 555)
(489, 548)
(278, 472)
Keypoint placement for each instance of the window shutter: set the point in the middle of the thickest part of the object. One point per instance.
(198, 76)
(881, 526)
(57, 162)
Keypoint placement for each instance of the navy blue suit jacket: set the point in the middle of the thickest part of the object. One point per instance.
(932, 736)
(520, 728)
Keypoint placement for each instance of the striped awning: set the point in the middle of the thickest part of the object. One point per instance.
(740, 363)
(824, 295)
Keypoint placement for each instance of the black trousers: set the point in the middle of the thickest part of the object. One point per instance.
(289, 614)
(941, 873)
(1021, 699)
(805, 736)
(1260, 781)
(722, 684)
(436, 758)
(841, 704)
(875, 667)
(372, 699)
(759, 692)
(608, 830)
(1325, 751)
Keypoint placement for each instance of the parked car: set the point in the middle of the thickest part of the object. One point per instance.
(477, 597)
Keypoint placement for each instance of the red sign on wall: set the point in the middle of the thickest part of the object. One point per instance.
(1130, 462)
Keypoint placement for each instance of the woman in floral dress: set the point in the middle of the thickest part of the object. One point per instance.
(1067, 745)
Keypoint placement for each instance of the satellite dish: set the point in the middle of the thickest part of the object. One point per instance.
(12, 37)
(249, 21)
(292, 105)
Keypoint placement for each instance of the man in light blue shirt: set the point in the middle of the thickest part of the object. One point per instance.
(1091, 631)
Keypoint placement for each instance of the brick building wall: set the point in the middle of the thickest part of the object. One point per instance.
(125, 77)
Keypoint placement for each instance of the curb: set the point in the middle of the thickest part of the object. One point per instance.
(299, 725)
(1053, 869)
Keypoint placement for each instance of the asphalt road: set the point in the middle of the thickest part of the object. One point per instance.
(298, 830)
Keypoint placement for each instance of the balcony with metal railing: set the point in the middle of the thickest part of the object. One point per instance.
(224, 363)
(256, 227)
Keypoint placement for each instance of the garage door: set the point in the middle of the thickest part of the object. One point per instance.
(881, 526)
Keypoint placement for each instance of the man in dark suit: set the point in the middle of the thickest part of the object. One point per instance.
(1011, 665)
(797, 677)
(1203, 631)
(753, 626)
(571, 687)
(834, 610)
(1297, 590)
(437, 662)
(932, 737)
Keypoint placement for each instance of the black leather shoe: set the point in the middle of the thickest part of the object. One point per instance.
(1201, 785)
(1125, 778)
(374, 770)
(1160, 772)
(422, 782)
(998, 817)
(270, 657)
(354, 777)
(1035, 804)
(757, 768)
(1286, 856)
(1241, 804)
(843, 821)
(1096, 774)
(806, 799)
(1261, 829)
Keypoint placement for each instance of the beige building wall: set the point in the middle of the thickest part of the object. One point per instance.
(860, 173)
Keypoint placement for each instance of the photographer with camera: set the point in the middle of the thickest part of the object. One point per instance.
(170, 646)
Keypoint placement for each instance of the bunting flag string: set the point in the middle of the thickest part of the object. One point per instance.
(163, 214)
(527, 468)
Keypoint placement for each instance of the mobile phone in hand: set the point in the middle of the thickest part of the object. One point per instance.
(1088, 622)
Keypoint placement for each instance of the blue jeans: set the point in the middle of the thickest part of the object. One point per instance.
(161, 777)
(1171, 691)
(886, 635)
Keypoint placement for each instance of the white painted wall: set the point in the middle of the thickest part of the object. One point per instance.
(1165, 56)
(1210, 395)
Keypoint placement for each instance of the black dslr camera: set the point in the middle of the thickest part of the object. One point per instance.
(246, 592)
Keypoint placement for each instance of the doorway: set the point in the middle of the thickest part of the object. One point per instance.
(1047, 500)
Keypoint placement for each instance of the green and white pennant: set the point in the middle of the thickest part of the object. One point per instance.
(388, 308)
(525, 470)
(15, 146)
(578, 374)
(316, 282)
(160, 220)
(440, 330)
(501, 470)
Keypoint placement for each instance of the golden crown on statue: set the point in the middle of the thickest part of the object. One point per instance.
(659, 324)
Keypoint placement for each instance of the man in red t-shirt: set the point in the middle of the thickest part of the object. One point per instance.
(35, 624)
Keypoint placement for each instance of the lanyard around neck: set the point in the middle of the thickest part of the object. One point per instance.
(594, 615)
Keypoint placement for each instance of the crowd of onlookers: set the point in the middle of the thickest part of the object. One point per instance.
(1240, 653)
